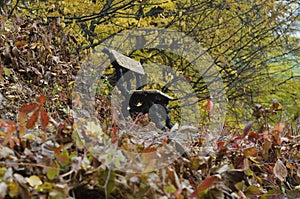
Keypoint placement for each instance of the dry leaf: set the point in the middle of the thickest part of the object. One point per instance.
(280, 170)
(251, 151)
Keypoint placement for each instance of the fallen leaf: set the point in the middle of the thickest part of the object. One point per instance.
(251, 151)
(34, 181)
(280, 170)
(252, 191)
(207, 183)
(63, 159)
(13, 188)
(52, 173)
(279, 127)
(5, 152)
(3, 189)
(247, 128)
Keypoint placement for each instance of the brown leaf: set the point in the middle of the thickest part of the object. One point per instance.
(234, 175)
(31, 122)
(114, 136)
(251, 151)
(277, 137)
(275, 105)
(22, 118)
(253, 136)
(149, 150)
(266, 145)
(14, 140)
(279, 127)
(44, 118)
(28, 108)
(20, 43)
(280, 170)
(76, 101)
(291, 167)
(63, 159)
(247, 128)
(21, 130)
(23, 187)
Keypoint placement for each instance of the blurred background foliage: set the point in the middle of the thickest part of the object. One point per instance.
(254, 44)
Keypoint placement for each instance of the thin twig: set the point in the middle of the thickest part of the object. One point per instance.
(135, 121)
(12, 10)
(26, 164)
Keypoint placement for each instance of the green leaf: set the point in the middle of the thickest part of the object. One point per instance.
(109, 181)
(252, 191)
(45, 187)
(52, 173)
(170, 189)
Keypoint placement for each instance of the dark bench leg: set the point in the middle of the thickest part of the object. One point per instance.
(168, 122)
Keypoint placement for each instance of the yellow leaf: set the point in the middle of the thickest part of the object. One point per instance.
(29, 136)
(34, 181)
(13, 189)
(6, 71)
(169, 189)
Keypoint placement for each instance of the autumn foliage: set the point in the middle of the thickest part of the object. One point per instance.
(42, 156)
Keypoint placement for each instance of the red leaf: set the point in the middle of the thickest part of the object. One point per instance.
(28, 108)
(44, 118)
(252, 136)
(31, 122)
(220, 144)
(194, 195)
(58, 149)
(210, 107)
(42, 99)
(205, 184)
(114, 136)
